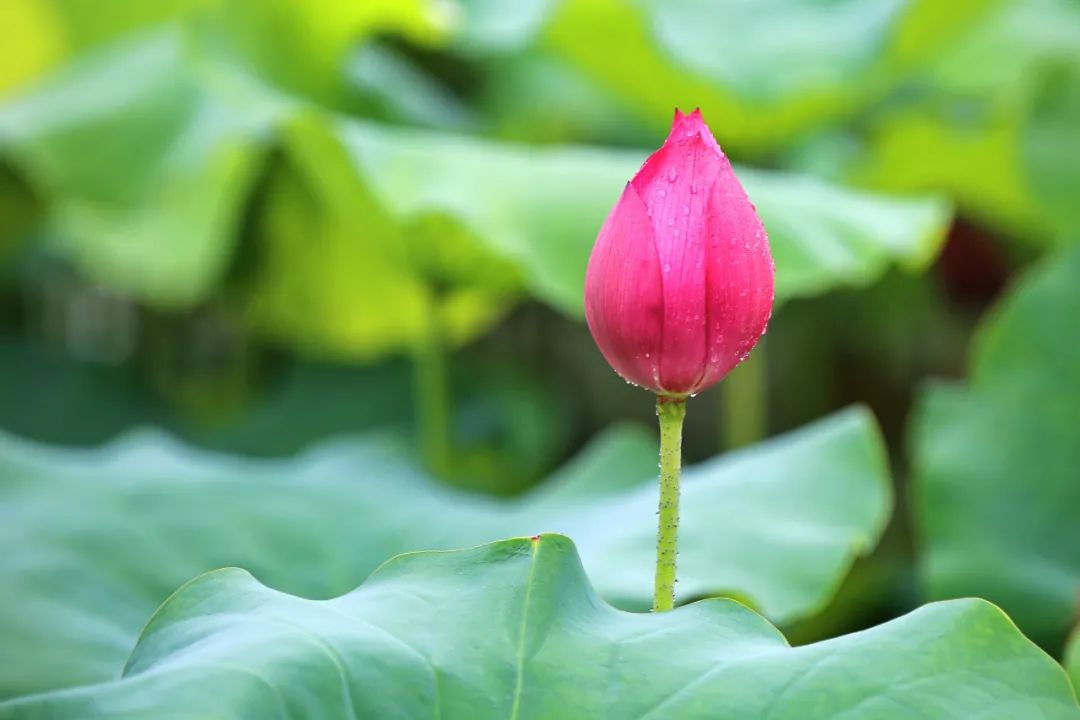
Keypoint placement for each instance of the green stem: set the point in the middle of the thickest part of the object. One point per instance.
(743, 402)
(671, 412)
(432, 392)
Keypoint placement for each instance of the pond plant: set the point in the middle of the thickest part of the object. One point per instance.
(678, 291)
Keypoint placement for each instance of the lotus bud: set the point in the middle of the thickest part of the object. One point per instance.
(679, 286)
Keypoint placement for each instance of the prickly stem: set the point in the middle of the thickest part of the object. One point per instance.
(670, 412)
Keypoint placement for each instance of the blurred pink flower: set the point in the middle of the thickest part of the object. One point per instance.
(679, 286)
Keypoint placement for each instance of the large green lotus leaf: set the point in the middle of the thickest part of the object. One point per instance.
(146, 190)
(103, 536)
(513, 630)
(997, 463)
(147, 152)
(542, 207)
(990, 121)
(769, 69)
(340, 276)
(144, 168)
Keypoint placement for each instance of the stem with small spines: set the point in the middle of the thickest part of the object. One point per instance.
(670, 411)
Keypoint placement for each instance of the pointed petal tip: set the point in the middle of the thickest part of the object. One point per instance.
(684, 126)
(688, 126)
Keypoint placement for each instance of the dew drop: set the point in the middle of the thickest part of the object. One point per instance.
(672, 175)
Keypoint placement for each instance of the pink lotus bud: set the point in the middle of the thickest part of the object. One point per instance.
(680, 283)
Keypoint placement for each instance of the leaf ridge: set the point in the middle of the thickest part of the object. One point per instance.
(530, 582)
(335, 657)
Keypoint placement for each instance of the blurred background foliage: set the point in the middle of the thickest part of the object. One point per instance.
(260, 224)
